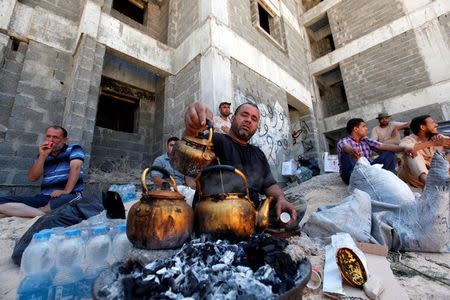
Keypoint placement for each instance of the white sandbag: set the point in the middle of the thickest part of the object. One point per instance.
(353, 216)
(380, 184)
(425, 225)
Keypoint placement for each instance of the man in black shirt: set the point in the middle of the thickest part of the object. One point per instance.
(233, 149)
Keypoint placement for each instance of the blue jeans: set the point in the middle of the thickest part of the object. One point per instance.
(347, 164)
(42, 200)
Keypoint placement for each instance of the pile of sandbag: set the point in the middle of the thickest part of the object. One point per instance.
(384, 210)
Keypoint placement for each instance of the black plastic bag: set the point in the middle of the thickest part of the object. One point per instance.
(70, 214)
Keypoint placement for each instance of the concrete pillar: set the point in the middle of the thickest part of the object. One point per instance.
(216, 81)
(81, 102)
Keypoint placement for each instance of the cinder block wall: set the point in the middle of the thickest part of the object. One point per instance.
(444, 20)
(351, 19)
(38, 100)
(389, 69)
(69, 9)
(183, 20)
(292, 59)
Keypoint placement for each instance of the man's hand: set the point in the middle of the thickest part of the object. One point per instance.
(45, 149)
(195, 118)
(356, 153)
(284, 206)
(225, 129)
(441, 140)
(190, 182)
(410, 152)
(57, 193)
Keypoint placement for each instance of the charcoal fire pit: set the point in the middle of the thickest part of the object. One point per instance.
(255, 269)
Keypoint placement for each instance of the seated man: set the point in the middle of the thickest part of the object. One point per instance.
(357, 145)
(234, 149)
(60, 165)
(387, 132)
(423, 142)
(163, 161)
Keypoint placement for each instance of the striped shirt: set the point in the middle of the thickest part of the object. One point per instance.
(57, 169)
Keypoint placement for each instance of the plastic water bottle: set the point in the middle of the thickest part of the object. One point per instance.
(36, 268)
(69, 274)
(121, 245)
(98, 249)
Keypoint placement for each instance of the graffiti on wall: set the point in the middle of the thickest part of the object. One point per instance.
(272, 136)
(302, 134)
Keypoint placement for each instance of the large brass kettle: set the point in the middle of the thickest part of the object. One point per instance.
(229, 215)
(161, 219)
(190, 154)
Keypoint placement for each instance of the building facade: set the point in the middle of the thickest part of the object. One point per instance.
(119, 74)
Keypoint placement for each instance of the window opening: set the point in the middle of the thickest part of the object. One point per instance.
(264, 18)
(134, 9)
(116, 112)
(332, 92)
(320, 37)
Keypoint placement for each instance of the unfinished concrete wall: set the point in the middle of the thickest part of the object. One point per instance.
(273, 135)
(392, 68)
(289, 56)
(37, 103)
(180, 90)
(350, 19)
(70, 9)
(183, 20)
(444, 21)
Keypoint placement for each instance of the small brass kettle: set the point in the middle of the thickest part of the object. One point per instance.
(190, 154)
(229, 216)
(161, 219)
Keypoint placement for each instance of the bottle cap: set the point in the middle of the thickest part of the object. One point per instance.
(122, 227)
(72, 232)
(285, 217)
(41, 235)
(99, 230)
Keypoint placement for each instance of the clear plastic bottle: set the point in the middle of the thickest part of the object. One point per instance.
(98, 249)
(121, 245)
(37, 261)
(68, 271)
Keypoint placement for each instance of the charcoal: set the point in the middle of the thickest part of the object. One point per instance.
(256, 269)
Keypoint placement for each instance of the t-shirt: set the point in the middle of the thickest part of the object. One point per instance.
(247, 158)
(383, 134)
(57, 169)
(219, 122)
(163, 161)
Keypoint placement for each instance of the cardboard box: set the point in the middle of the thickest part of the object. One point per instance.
(330, 163)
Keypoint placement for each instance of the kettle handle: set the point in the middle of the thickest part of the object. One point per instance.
(210, 128)
(223, 168)
(165, 173)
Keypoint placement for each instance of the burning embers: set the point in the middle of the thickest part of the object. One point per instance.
(256, 269)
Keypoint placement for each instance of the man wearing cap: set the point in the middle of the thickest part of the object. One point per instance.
(388, 132)
(222, 122)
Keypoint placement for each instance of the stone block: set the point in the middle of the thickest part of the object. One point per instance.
(23, 112)
(15, 163)
(21, 137)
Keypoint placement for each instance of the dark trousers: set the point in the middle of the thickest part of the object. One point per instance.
(347, 164)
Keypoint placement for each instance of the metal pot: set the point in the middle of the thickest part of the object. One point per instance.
(161, 219)
(190, 154)
(230, 215)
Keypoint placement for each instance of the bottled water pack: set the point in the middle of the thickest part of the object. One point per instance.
(63, 263)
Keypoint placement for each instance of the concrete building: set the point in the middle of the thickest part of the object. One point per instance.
(118, 74)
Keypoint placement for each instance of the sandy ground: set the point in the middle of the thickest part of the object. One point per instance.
(422, 275)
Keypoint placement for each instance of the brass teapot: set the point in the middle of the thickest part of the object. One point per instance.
(161, 219)
(190, 154)
(229, 216)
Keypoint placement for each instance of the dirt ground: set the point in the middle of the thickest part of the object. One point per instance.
(422, 275)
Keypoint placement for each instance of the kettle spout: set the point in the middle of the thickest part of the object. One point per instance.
(262, 216)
